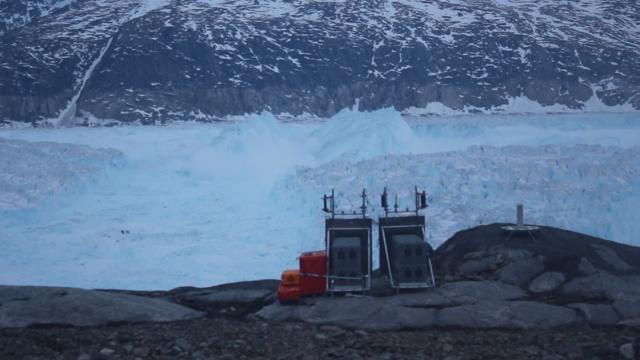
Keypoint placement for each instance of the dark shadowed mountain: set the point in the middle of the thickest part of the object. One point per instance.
(157, 60)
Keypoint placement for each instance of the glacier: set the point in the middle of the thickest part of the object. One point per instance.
(200, 204)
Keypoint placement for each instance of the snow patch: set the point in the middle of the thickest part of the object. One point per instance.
(147, 6)
(518, 105)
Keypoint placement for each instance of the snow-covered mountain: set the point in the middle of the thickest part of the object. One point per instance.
(17, 13)
(157, 60)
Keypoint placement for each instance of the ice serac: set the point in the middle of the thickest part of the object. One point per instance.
(363, 135)
(35, 171)
(208, 59)
(479, 185)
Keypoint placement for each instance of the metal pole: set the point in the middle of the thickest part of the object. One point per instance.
(333, 204)
(433, 278)
(386, 252)
(520, 215)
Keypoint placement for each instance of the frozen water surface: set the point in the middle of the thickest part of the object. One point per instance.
(202, 204)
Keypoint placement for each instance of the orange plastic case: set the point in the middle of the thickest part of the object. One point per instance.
(289, 293)
(290, 278)
(313, 272)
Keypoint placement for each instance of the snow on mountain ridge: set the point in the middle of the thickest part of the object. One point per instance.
(148, 6)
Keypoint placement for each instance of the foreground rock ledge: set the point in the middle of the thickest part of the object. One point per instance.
(482, 304)
(22, 306)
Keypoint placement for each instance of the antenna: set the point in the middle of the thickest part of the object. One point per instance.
(363, 208)
(329, 205)
(333, 202)
(419, 197)
(331, 208)
(520, 226)
(395, 204)
(384, 202)
(520, 215)
(421, 200)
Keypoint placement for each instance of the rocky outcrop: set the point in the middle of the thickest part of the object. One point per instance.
(194, 59)
(22, 306)
(237, 299)
(493, 279)
(521, 258)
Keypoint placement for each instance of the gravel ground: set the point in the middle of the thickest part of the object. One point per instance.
(228, 337)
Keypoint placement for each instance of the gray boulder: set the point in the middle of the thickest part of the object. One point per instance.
(520, 272)
(547, 281)
(352, 312)
(502, 314)
(240, 298)
(474, 267)
(586, 268)
(602, 285)
(459, 293)
(22, 306)
(630, 323)
(627, 351)
(628, 309)
(611, 257)
(596, 314)
(243, 296)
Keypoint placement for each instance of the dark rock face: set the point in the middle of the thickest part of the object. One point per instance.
(18, 13)
(574, 255)
(193, 59)
(44, 62)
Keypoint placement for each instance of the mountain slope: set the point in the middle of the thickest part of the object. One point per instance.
(16, 13)
(210, 58)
